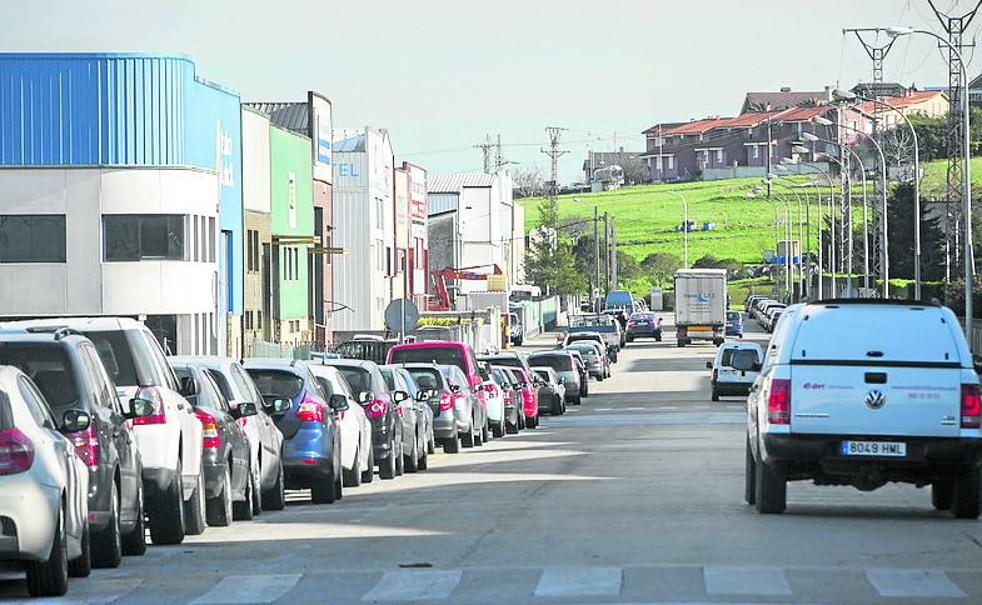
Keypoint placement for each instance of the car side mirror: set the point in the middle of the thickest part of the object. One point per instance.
(280, 405)
(400, 396)
(365, 396)
(73, 421)
(424, 395)
(139, 408)
(338, 402)
(244, 410)
(977, 362)
(189, 386)
(454, 388)
(709, 365)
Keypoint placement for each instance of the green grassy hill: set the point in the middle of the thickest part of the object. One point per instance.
(744, 227)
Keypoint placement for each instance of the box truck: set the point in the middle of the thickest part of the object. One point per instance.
(700, 305)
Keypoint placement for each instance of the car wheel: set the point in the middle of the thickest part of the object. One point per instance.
(410, 462)
(352, 478)
(424, 460)
(257, 490)
(467, 439)
(496, 430)
(431, 444)
(941, 494)
(50, 578)
(771, 489)
(195, 516)
(323, 492)
(387, 467)
(82, 566)
(511, 429)
(368, 475)
(750, 477)
(243, 510)
(338, 485)
(400, 460)
(715, 395)
(219, 509)
(451, 445)
(586, 389)
(167, 522)
(135, 542)
(107, 551)
(275, 497)
(486, 431)
(965, 496)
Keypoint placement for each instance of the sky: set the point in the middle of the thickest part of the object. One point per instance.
(442, 75)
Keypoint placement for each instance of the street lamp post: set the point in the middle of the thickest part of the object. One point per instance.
(895, 32)
(801, 275)
(818, 201)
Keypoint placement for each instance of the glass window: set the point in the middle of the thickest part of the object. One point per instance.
(48, 366)
(222, 383)
(133, 237)
(560, 363)
(196, 239)
(32, 238)
(427, 378)
(274, 384)
(359, 379)
(106, 389)
(6, 414)
(211, 239)
(35, 403)
(443, 356)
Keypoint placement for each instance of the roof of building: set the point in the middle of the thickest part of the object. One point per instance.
(801, 114)
(600, 159)
(353, 143)
(454, 182)
(782, 99)
(290, 115)
(696, 126)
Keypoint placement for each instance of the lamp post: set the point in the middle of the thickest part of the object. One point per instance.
(788, 234)
(883, 192)
(849, 96)
(818, 201)
(801, 275)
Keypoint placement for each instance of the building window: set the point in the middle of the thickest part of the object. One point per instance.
(719, 156)
(28, 238)
(211, 239)
(671, 162)
(379, 212)
(756, 149)
(196, 238)
(133, 237)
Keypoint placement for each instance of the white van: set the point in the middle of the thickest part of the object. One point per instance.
(863, 392)
(726, 379)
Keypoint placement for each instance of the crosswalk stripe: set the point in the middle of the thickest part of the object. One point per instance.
(579, 582)
(913, 583)
(416, 585)
(746, 580)
(249, 589)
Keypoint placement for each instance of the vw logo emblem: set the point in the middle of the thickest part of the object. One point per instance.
(875, 400)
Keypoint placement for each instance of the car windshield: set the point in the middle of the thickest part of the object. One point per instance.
(560, 363)
(276, 384)
(50, 369)
(426, 378)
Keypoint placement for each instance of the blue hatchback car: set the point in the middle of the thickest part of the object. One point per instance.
(311, 435)
(734, 324)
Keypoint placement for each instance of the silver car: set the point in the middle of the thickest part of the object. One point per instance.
(44, 486)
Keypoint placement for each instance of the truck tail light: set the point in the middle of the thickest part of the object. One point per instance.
(779, 402)
(971, 406)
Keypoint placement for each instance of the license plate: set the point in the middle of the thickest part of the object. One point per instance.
(874, 448)
(700, 329)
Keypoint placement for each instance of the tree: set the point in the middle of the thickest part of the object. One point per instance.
(660, 267)
(528, 181)
(635, 170)
(549, 261)
(900, 213)
(627, 267)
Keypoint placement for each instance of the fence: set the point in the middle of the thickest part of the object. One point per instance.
(261, 348)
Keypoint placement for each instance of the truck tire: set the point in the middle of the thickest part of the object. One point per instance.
(941, 493)
(966, 495)
(771, 489)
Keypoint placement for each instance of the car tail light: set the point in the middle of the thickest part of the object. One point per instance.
(86, 446)
(310, 410)
(16, 452)
(779, 402)
(158, 416)
(971, 406)
(209, 430)
(376, 409)
(446, 401)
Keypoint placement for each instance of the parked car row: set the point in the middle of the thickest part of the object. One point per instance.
(765, 310)
(105, 441)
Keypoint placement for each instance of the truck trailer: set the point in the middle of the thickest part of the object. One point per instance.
(700, 305)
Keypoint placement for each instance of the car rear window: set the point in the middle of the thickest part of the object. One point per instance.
(222, 383)
(726, 360)
(389, 376)
(560, 363)
(444, 356)
(276, 384)
(542, 374)
(732, 315)
(131, 359)
(511, 362)
(426, 378)
(50, 369)
(584, 349)
(359, 379)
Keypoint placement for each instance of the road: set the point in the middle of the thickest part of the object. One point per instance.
(633, 497)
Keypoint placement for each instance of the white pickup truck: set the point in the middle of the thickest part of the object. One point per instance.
(864, 392)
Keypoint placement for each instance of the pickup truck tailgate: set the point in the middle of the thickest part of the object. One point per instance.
(878, 400)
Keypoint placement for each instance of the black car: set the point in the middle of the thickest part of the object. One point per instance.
(69, 373)
(569, 369)
(225, 450)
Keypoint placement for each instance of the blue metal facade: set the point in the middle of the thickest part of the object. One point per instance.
(111, 109)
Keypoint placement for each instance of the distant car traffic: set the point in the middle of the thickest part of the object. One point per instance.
(357, 457)
(564, 365)
(734, 324)
(644, 323)
(726, 379)
(551, 391)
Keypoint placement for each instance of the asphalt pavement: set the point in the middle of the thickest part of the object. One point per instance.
(636, 496)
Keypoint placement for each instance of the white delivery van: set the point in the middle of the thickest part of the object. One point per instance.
(864, 392)
(700, 305)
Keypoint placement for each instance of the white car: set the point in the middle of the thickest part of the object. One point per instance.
(357, 459)
(265, 439)
(727, 380)
(494, 398)
(169, 439)
(44, 488)
(863, 392)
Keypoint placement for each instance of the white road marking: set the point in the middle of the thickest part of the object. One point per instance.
(249, 589)
(104, 590)
(913, 583)
(421, 585)
(579, 582)
(745, 580)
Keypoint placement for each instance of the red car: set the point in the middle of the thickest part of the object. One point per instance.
(530, 397)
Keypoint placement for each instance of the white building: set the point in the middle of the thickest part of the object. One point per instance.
(364, 225)
(488, 227)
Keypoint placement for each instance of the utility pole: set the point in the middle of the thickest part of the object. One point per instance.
(606, 287)
(498, 160)
(955, 26)
(613, 251)
(845, 201)
(485, 148)
(769, 153)
(554, 154)
(876, 53)
(596, 254)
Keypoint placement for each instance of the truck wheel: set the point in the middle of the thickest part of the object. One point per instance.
(941, 493)
(750, 476)
(966, 495)
(771, 489)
